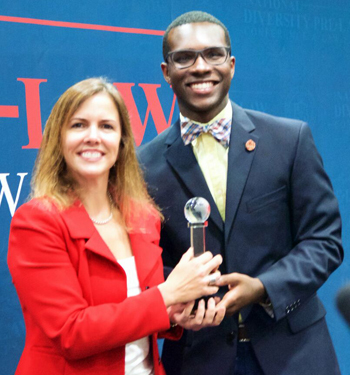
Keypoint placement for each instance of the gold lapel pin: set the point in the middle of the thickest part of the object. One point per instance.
(250, 145)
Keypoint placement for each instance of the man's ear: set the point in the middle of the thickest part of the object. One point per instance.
(233, 65)
(165, 71)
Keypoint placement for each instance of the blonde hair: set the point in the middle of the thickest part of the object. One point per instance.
(51, 179)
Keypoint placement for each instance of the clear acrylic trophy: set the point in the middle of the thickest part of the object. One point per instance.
(197, 211)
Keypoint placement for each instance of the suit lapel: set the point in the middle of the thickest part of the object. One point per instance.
(239, 163)
(184, 163)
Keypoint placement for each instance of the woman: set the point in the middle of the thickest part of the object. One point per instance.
(84, 254)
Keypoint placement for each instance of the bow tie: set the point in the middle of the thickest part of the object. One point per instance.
(219, 129)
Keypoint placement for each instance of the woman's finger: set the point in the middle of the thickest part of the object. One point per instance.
(219, 316)
(199, 314)
(187, 312)
(212, 264)
(205, 257)
(212, 278)
(209, 312)
(187, 256)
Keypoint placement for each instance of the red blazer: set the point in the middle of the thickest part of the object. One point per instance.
(73, 292)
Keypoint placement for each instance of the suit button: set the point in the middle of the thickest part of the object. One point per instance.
(147, 287)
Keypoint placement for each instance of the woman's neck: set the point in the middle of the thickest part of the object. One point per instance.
(95, 200)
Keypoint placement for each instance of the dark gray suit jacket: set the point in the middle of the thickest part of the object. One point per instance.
(282, 225)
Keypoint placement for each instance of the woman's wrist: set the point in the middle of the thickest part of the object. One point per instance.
(168, 297)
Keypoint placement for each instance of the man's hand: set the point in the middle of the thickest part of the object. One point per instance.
(243, 290)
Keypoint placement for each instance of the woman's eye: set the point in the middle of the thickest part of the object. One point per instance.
(77, 125)
(107, 126)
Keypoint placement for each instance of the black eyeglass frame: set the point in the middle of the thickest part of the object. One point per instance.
(169, 56)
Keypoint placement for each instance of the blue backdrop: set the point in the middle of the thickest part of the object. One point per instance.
(292, 59)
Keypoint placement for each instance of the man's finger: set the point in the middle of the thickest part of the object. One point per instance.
(228, 279)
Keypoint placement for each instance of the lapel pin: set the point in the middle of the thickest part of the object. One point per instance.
(250, 145)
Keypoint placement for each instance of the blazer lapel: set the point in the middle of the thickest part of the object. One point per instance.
(184, 163)
(239, 163)
(80, 226)
(147, 255)
(142, 240)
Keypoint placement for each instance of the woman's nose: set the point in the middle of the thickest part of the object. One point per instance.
(92, 135)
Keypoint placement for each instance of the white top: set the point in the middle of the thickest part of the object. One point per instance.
(137, 353)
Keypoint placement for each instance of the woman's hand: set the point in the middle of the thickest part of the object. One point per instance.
(191, 278)
(210, 316)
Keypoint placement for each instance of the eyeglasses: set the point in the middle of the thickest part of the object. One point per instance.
(185, 58)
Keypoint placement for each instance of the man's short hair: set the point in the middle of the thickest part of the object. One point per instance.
(192, 17)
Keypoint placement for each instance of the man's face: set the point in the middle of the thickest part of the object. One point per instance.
(201, 89)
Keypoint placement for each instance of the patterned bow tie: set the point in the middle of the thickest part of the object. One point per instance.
(219, 129)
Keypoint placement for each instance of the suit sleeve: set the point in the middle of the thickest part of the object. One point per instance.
(316, 229)
(50, 293)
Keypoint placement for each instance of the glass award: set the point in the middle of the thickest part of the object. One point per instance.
(197, 211)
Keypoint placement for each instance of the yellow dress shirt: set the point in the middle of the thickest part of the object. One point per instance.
(212, 159)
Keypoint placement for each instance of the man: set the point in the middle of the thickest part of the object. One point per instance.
(274, 217)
